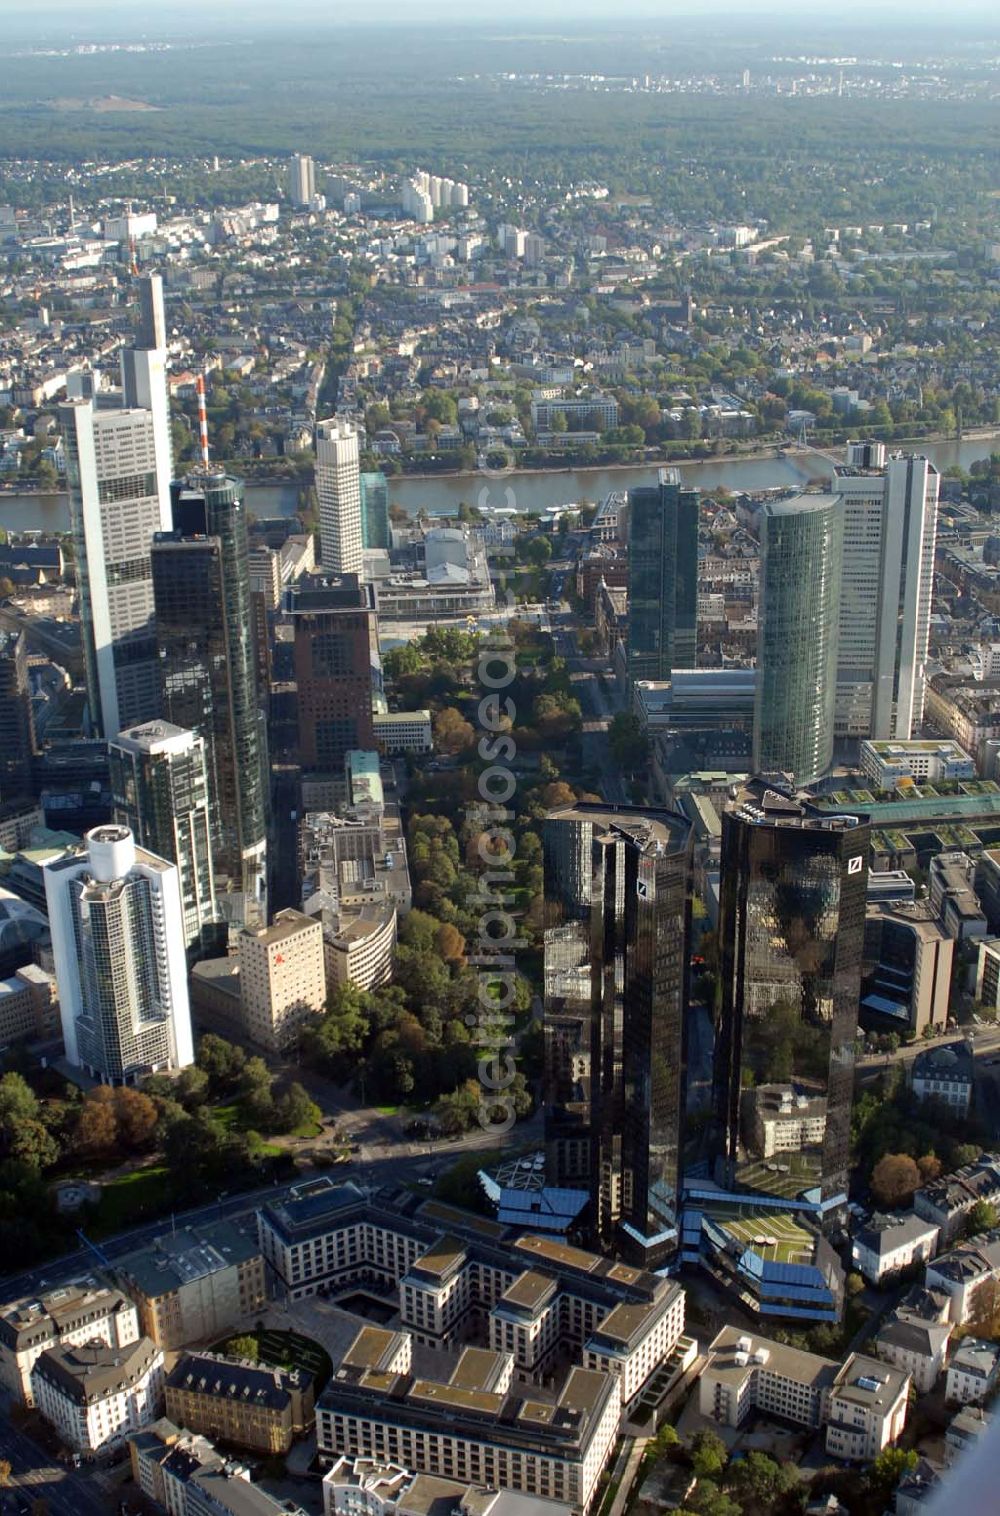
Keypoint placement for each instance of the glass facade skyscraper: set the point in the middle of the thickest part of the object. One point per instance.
(791, 942)
(159, 789)
(663, 578)
(117, 503)
(801, 548)
(374, 511)
(208, 673)
(617, 904)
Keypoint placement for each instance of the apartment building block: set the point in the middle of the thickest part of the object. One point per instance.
(195, 1283)
(86, 1310)
(94, 1395)
(252, 1405)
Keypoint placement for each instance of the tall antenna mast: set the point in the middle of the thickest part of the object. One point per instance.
(202, 418)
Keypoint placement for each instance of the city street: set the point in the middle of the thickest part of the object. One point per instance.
(34, 1476)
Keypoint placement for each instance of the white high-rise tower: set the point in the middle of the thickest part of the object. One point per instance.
(301, 181)
(118, 944)
(890, 531)
(338, 491)
(144, 376)
(113, 468)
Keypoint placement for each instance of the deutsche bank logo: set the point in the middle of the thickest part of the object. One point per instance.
(854, 865)
(642, 889)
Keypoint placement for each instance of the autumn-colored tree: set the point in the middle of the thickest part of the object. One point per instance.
(452, 733)
(97, 1125)
(930, 1168)
(557, 794)
(137, 1117)
(450, 943)
(894, 1179)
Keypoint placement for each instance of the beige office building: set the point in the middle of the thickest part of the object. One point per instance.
(282, 978)
(194, 1284)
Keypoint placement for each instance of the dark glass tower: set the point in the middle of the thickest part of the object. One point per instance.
(17, 724)
(336, 654)
(617, 899)
(662, 578)
(791, 939)
(205, 639)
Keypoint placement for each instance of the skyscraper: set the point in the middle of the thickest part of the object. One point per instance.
(118, 944)
(374, 511)
(113, 470)
(17, 725)
(301, 181)
(144, 375)
(791, 942)
(338, 491)
(663, 578)
(801, 549)
(890, 532)
(159, 789)
(616, 951)
(336, 656)
(206, 651)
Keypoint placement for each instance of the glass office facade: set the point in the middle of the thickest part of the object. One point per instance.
(617, 902)
(663, 578)
(801, 551)
(791, 940)
(208, 673)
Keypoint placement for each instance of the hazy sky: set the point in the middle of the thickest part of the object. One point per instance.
(565, 13)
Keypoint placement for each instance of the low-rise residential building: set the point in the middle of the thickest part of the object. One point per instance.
(865, 1409)
(195, 1283)
(86, 1310)
(966, 1275)
(745, 1373)
(252, 1405)
(861, 1403)
(917, 1488)
(153, 1449)
(964, 1431)
(885, 1245)
(972, 1372)
(182, 1471)
(946, 1074)
(282, 979)
(916, 1348)
(95, 1395)
(947, 1201)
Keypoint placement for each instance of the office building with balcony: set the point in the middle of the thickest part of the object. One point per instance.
(118, 946)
